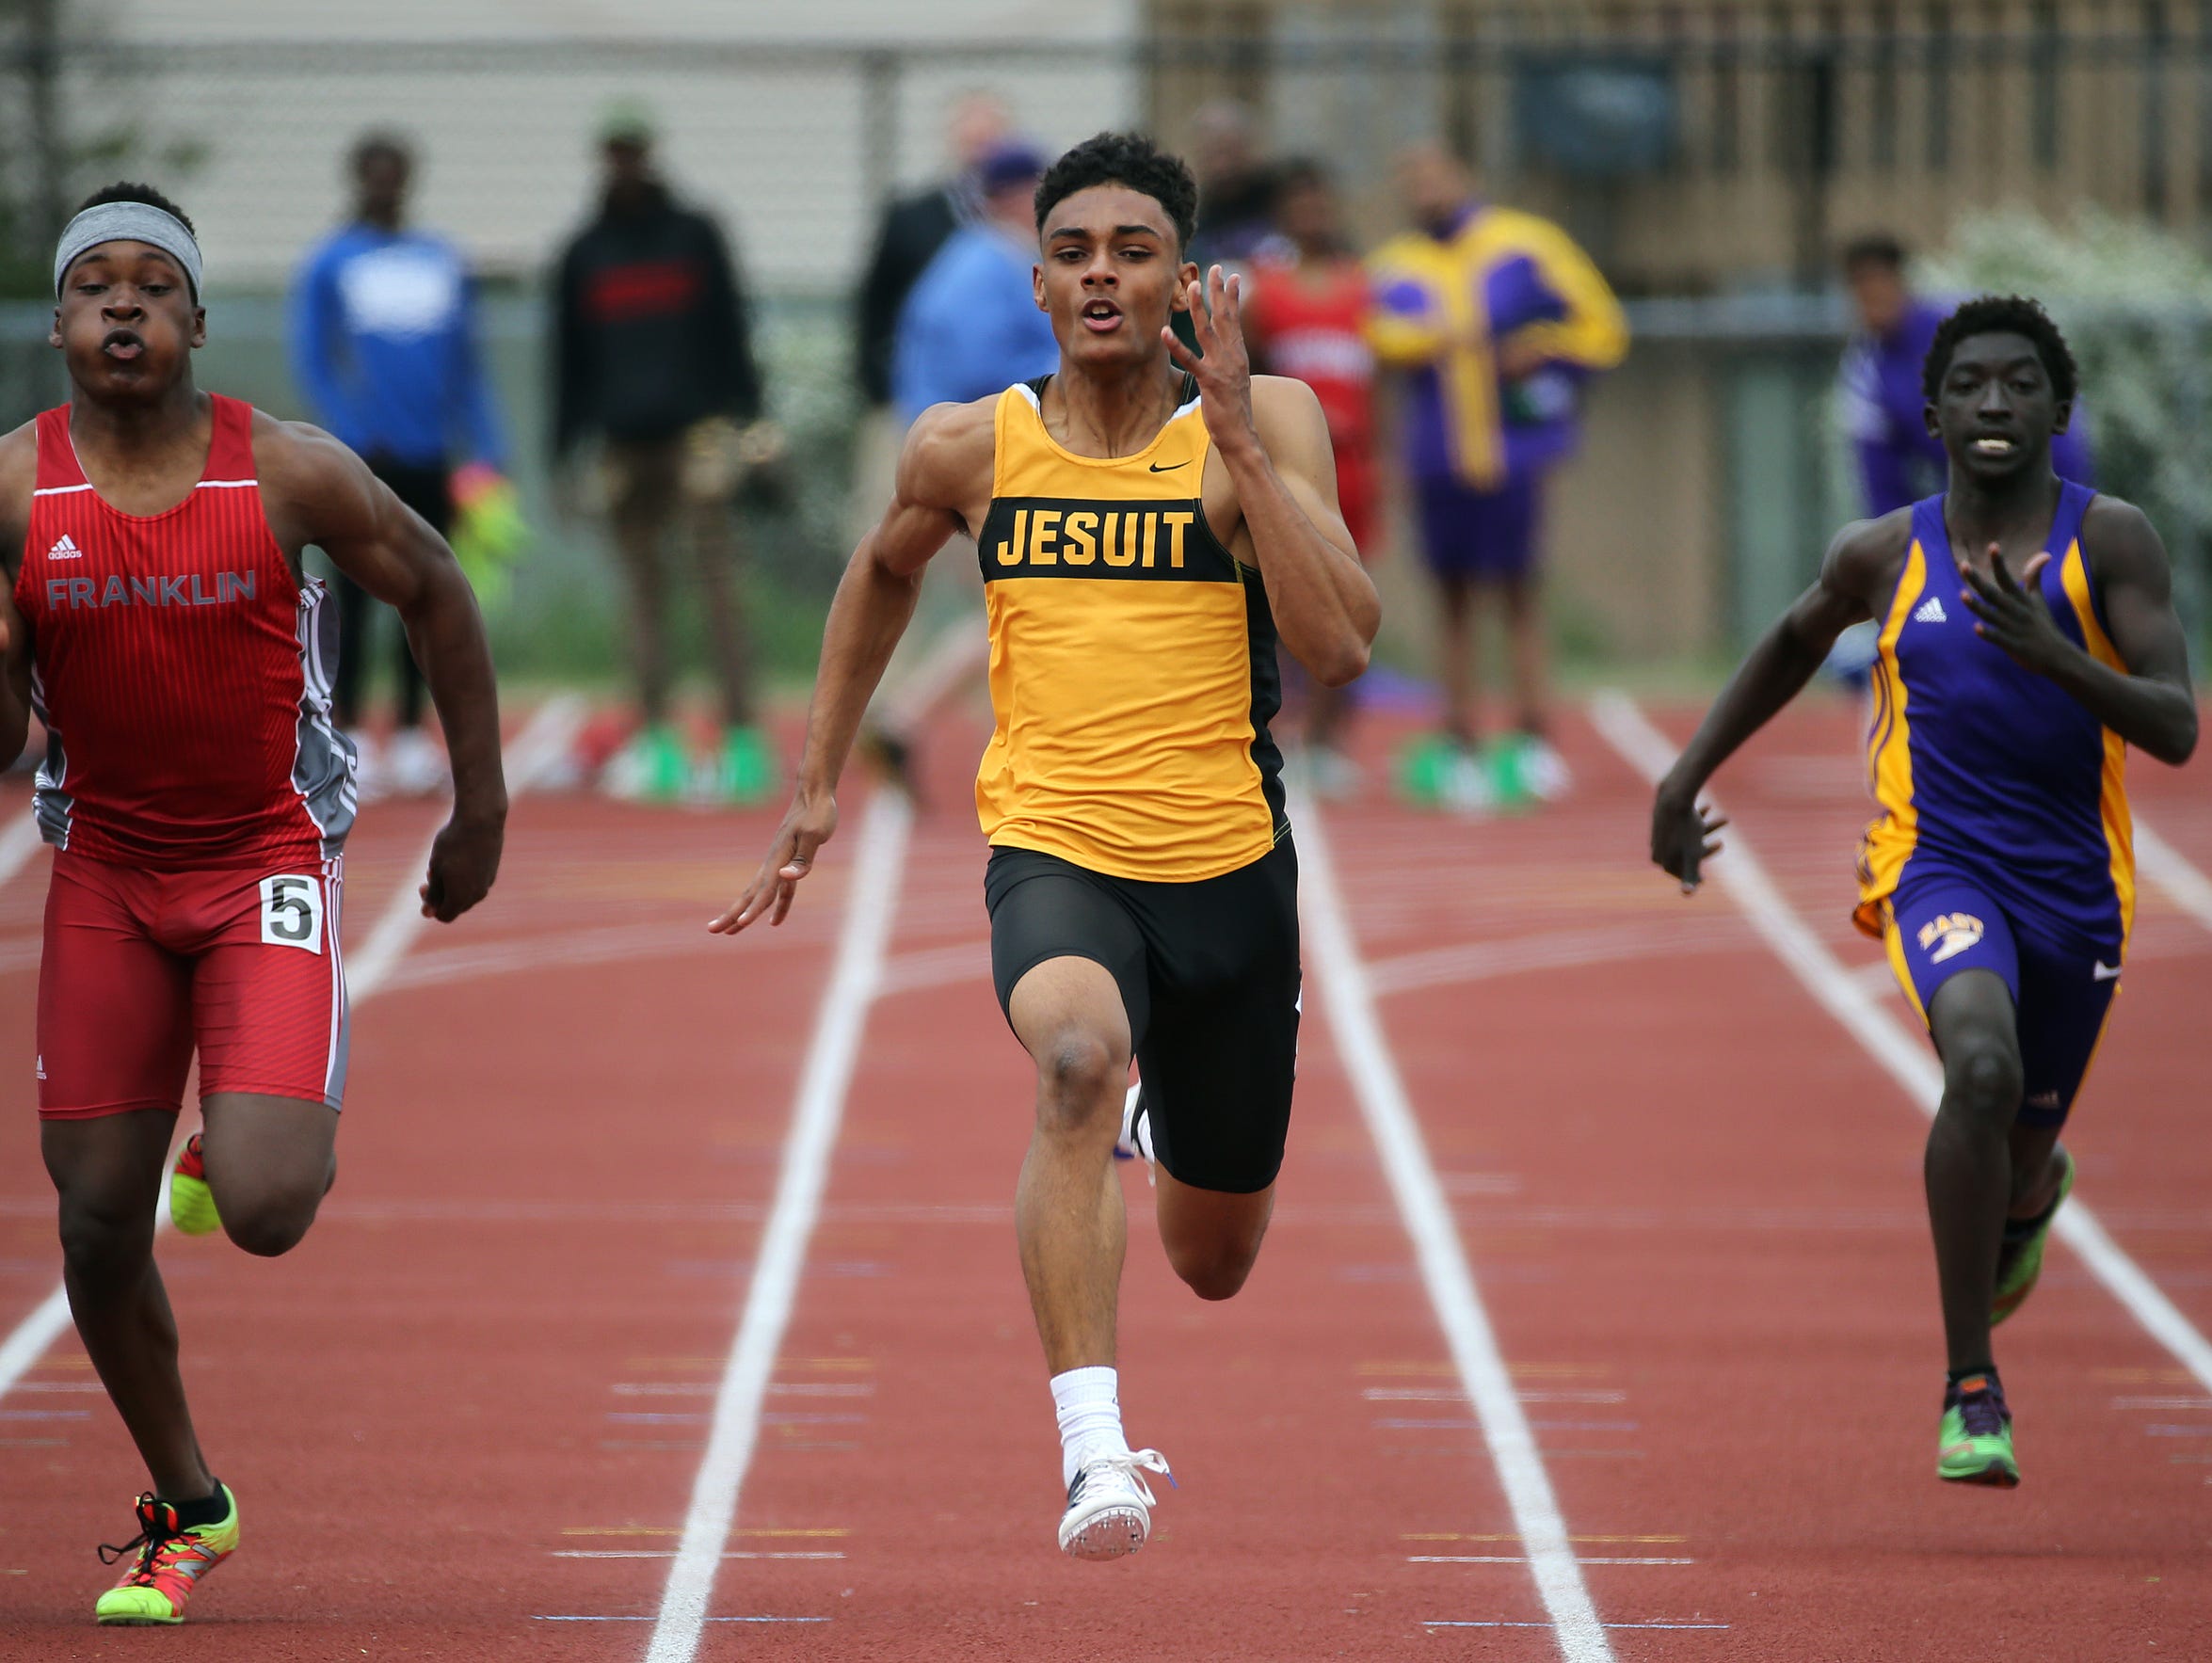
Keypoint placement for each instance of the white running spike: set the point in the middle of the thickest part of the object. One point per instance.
(1109, 1505)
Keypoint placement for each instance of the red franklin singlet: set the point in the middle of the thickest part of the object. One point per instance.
(1315, 332)
(179, 672)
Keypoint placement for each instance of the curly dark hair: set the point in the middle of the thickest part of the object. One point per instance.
(2001, 314)
(1127, 159)
(125, 190)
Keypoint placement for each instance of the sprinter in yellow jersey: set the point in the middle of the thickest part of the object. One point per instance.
(1150, 524)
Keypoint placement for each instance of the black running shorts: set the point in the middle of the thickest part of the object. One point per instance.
(1209, 975)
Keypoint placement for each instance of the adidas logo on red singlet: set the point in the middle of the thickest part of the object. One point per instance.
(1930, 611)
(65, 549)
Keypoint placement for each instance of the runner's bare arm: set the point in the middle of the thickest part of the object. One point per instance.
(19, 468)
(317, 491)
(2149, 703)
(944, 487)
(1856, 570)
(1273, 442)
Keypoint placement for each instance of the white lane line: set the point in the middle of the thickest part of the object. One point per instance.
(2165, 866)
(664, 1553)
(703, 1620)
(1396, 1131)
(1904, 1053)
(1448, 1622)
(816, 1112)
(18, 843)
(1477, 961)
(1513, 1558)
(544, 740)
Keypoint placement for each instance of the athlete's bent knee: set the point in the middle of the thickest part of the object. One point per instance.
(1213, 1273)
(1080, 1080)
(99, 1246)
(1981, 1077)
(270, 1227)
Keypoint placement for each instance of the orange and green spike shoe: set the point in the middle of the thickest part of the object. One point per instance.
(2020, 1262)
(191, 1201)
(1974, 1446)
(166, 1561)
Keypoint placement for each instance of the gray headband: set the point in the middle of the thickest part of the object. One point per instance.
(131, 222)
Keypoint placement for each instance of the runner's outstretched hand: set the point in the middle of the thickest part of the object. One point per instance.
(807, 823)
(1682, 836)
(1224, 372)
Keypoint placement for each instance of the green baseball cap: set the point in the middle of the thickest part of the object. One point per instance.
(626, 120)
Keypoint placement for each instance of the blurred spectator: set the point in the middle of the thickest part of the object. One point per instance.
(1499, 318)
(1305, 312)
(1900, 460)
(971, 327)
(1236, 197)
(1236, 188)
(384, 343)
(652, 353)
(914, 228)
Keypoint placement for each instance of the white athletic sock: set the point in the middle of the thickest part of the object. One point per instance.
(1090, 1417)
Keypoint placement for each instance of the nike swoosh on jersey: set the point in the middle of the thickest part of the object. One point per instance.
(1170, 467)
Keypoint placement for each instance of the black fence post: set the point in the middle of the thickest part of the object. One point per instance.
(880, 79)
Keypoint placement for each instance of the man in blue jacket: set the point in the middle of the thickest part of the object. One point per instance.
(384, 343)
(971, 327)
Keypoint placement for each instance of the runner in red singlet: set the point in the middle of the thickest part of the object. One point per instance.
(157, 620)
(1305, 308)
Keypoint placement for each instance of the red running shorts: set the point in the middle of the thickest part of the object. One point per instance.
(141, 968)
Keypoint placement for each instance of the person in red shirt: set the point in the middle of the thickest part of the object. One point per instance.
(1305, 307)
(157, 622)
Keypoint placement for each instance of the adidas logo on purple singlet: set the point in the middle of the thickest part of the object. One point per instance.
(65, 549)
(1930, 611)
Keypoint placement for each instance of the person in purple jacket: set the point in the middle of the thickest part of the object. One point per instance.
(1495, 320)
(1900, 460)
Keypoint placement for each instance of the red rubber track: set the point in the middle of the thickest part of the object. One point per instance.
(1690, 1201)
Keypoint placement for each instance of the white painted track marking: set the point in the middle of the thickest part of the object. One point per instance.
(2166, 866)
(1904, 1053)
(1395, 1130)
(544, 741)
(817, 1111)
(541, 743)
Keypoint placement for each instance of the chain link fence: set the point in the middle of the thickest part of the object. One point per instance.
(1699, 149)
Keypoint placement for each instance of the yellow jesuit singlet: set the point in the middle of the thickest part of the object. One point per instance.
(1132, 660)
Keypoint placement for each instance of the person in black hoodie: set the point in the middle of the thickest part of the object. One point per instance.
(652, 354)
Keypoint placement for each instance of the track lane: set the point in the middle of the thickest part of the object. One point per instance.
(1787, 1285)
(539, 1175)
(921, 1428)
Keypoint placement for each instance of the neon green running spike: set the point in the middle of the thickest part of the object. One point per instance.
(191, 1201)
(2022, 1262)
(165, 1564)
(1975, 1445)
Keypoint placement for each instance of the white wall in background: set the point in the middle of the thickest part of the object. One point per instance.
(503, 98)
